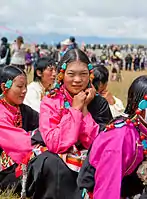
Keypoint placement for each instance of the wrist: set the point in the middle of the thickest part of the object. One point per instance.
(77, 108)
(85, 111)
(111, 101)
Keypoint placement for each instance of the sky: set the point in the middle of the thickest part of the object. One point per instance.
(106, 18)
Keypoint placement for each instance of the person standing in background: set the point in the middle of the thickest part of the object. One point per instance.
(5, 55)
(18, 53)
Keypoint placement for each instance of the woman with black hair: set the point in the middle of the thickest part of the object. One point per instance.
(110, 168)
(16, 120)
(70, 118)
(44, 77)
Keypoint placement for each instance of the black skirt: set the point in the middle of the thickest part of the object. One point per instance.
(48, 178)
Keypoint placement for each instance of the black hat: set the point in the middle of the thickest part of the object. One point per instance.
(4, 39)
(72, 39)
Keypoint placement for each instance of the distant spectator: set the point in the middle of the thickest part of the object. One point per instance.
(56, 54)
(36, 56)
(18, 53)
(28, 59)
(73, 40)
(5, 54)
(128, 62)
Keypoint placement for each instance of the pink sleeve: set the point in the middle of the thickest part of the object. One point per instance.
(106, 157)
(14, 141)
(89, 131)
(108, 175)
(59, 132)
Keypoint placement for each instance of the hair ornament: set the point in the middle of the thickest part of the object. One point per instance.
(60, 76)
(143, 104)
(91, 77)
(90, 67)
(64, 66)
(8, 84)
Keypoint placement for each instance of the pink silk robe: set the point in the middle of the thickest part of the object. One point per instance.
(13, 140)
(114, 154)
(61, 129)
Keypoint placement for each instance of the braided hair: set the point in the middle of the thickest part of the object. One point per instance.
(136, 93)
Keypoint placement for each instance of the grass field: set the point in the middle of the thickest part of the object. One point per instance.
(118, 89)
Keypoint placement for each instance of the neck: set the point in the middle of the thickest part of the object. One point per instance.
(45, 86)
(69, 93)
(8, 102)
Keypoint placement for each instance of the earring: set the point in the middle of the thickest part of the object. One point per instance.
(60, 76)
(2, 95)
(91, 76)
(8, 85)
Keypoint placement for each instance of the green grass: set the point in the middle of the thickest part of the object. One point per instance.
(120, 89)
(8, 194)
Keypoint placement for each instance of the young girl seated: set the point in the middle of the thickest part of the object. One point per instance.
(16, 120)
(44, 77)
(100, 82)
(110, 170)
(69, 118)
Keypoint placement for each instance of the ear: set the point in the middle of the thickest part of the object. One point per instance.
(3, 87)
(39, 73)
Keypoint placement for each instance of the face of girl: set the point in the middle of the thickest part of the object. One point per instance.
(48, 76)
(16, 94)
(76, 77)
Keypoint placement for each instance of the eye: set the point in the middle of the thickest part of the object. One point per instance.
(71, 74)
(19, 86)
(84, 74)
(49, 68)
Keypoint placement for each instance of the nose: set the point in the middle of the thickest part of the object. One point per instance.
(54, 73)
(77, 78)
(24, 90)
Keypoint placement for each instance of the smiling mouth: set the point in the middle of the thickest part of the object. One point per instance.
(77, 86)
(22, 97)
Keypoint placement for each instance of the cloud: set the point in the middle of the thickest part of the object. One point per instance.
(107, 18)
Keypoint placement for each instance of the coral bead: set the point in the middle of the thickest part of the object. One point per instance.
(145, 97)
(128, 121)
(55, 89)
(107, 128)
(145, 152)
(112, 126)
(62, 71)
(142, 137)
(135, 123)
(138, 112)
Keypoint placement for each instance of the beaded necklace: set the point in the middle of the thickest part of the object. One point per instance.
(17, 115)
(135, 121)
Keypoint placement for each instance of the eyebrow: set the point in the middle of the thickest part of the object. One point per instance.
(76, 71)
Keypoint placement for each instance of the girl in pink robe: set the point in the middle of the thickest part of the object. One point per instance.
(16, 120)
(68, 124)
(110, 170)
